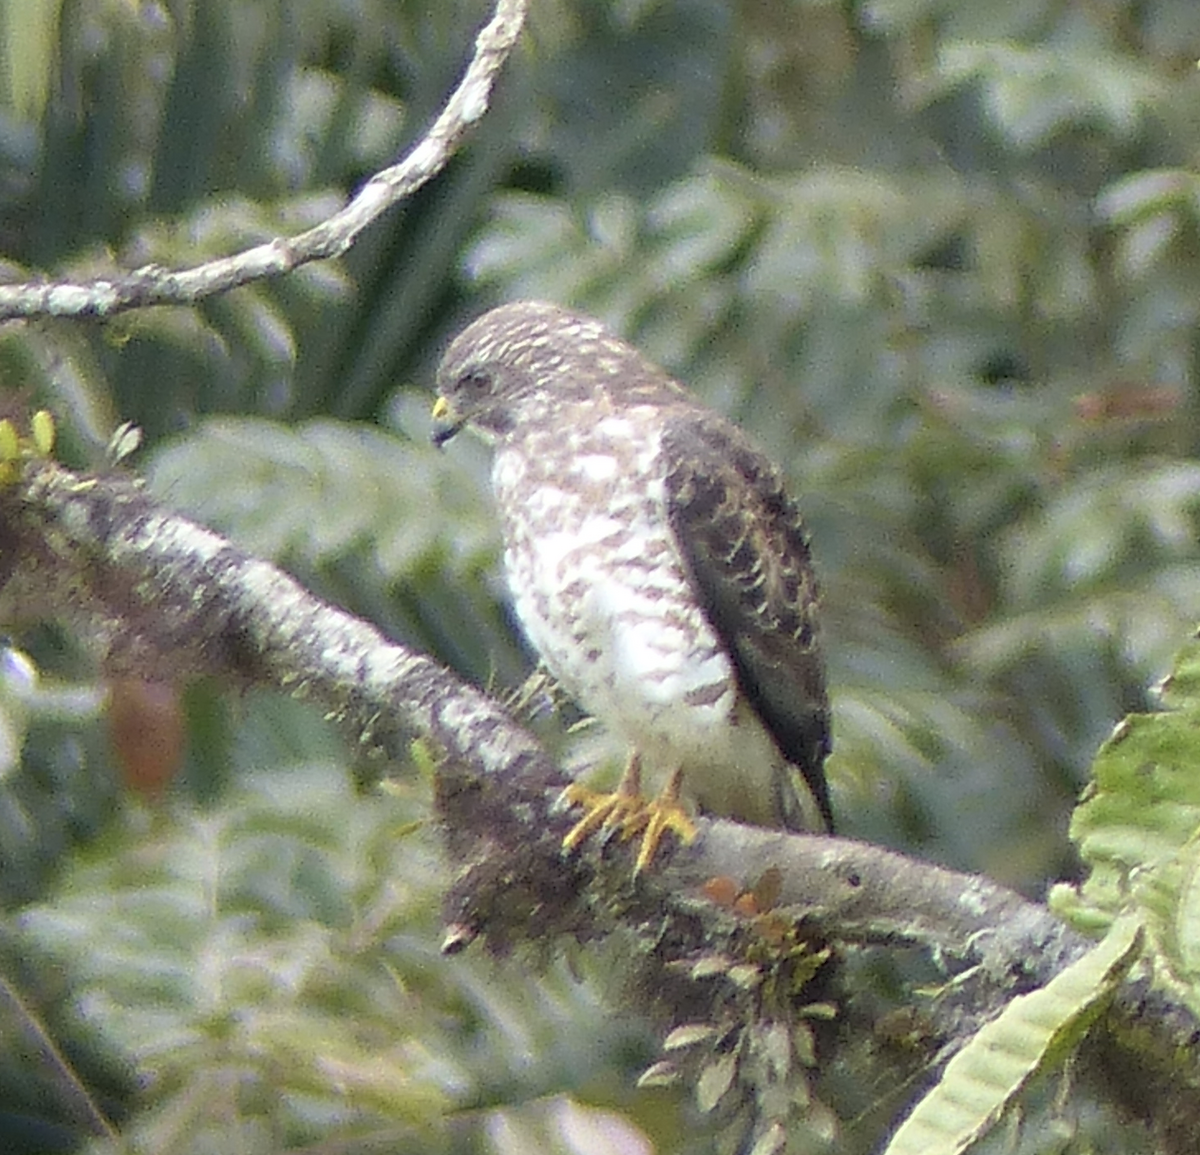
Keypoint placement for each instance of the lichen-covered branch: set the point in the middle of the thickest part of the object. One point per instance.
(153, 285)
(162, 597)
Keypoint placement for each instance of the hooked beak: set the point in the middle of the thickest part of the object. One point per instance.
(446, 423)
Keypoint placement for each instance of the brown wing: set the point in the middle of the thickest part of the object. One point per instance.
(744, 543)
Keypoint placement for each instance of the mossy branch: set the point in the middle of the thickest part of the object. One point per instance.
(162, 597)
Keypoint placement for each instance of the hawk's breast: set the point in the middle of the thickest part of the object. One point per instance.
(600, 588)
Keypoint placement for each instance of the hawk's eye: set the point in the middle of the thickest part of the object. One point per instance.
(476, 382)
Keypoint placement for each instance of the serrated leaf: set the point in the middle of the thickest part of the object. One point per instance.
(1180, 689)
(986, 1076)
(1136, 828)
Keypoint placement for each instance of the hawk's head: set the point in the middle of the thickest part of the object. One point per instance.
(520, 359)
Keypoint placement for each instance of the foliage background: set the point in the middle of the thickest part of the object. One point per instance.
(941, 258)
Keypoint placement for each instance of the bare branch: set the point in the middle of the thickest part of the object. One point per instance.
(152, 285)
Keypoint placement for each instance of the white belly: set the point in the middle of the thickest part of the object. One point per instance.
(601, 591)
(619, 637)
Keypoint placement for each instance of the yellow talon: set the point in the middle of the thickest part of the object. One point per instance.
(630, 813)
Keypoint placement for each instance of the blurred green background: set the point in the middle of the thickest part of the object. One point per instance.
(941, 257)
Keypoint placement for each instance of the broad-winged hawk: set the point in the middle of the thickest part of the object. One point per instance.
(656, 564)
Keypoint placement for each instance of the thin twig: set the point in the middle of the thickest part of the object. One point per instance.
(153, 285)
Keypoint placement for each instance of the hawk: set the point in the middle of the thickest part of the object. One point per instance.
(657, 566)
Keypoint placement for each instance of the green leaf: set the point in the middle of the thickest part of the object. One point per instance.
(27, 53)
(1180, 689)
(1138, 830)
(268, 968)
(715, 1080)
(1032, 93)
(246, 944)
(1033, 1032)
(320, 490)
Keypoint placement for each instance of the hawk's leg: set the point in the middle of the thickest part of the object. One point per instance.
(629, 812)
(605, 810)
(657, 816)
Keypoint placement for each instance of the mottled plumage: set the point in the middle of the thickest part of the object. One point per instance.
(655, 561)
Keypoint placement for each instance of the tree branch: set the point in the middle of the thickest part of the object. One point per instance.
(162, 597)
(152, 285)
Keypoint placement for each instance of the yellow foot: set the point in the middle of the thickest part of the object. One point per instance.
(629, 813)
